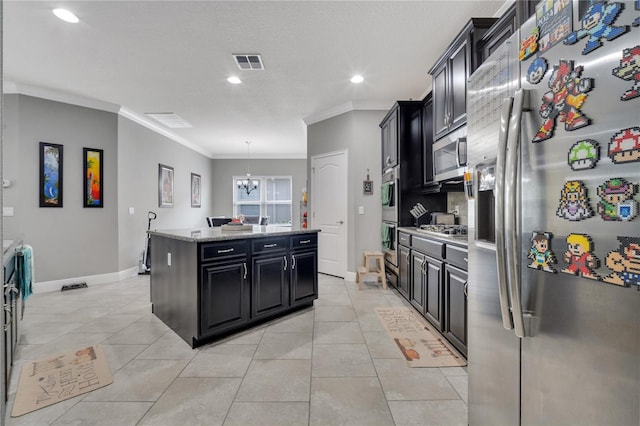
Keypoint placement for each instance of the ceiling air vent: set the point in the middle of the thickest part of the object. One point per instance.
(169, 119)
(248, 62)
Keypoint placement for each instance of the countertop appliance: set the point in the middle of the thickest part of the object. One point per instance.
(554, 233)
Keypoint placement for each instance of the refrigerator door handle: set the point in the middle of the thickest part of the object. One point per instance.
(499, 214)
(510, 212)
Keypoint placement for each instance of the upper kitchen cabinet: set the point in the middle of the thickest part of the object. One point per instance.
(402, 134)
(498, 33)
(427, 143)
(450, 74)
(389, 128)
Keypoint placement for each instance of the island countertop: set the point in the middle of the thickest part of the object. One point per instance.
(203, 235)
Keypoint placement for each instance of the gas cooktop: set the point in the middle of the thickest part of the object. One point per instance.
(459, 231)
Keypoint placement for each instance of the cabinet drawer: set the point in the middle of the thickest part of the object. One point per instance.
(457, 256)
(226, 249)
(430, 247)
(305, 240)
(404, 239)
(268, 245)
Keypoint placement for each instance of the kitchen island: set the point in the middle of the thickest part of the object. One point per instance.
(208, 283)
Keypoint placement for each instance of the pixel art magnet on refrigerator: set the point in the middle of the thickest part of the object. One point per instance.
(583, 155)
(616, 200)
(624, 146)
(540, 252)
(564, 100)
(629, 69)
(580, 258)
(529, 45)
(625, 263)
(597, 23)
(537, 70)
(574, 202)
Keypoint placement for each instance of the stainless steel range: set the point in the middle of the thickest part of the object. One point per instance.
(455, 231)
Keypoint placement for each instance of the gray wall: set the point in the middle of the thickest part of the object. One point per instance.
(140, 151)
(71, 241)
(224, 170)
(359, 133)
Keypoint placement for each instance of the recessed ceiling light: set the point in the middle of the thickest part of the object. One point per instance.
(234, 80)
(66, 15)
(357, 79)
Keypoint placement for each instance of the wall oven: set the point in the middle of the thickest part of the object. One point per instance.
(450, 156)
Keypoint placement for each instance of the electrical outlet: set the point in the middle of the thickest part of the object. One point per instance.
(132, 211)
(7, 211)
(361, 210)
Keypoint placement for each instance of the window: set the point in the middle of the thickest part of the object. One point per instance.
(272, 198)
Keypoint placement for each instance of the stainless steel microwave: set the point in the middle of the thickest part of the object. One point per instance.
(450, 156)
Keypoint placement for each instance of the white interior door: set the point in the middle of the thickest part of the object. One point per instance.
(329, 210)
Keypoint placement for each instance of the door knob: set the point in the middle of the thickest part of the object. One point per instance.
(341, 222)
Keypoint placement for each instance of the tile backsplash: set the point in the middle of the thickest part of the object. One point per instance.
(459, 199)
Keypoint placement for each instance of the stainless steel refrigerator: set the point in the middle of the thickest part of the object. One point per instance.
(554, 227)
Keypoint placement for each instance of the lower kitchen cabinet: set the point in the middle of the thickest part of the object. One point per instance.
(270, 290)
(455, 290)
(418, 280)
(224, 300)
(207, 287)
(304, 277)
(433, 291)
(404, 269)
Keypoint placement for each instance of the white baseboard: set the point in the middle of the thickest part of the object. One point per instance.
(49, 286)
(350, 276)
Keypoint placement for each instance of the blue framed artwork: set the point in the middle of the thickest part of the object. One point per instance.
(50, 174)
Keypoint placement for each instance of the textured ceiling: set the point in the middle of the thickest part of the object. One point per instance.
(175, 56)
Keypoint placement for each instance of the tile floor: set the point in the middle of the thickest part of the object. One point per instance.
(332, 364)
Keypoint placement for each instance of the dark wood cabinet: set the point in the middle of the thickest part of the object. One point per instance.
(455, 290)
(211, 289)
(224, 296)
(434, 303)
(404, 269)
(450, 74)
(304, 276)
(427, 142)
(498, 33)
(389, 129)
(418, 281)
(270, 285)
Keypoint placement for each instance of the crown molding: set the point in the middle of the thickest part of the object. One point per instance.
(10, 87)
(288, 156)
(346, 107)
(145, 122)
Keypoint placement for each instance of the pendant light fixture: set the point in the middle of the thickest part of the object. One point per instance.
(247, 184)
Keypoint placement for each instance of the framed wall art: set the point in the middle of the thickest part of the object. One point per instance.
(92, 188)
(50, 175)
(195, 190)
(165, 186)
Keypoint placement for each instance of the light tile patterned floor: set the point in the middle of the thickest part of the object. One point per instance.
(332, 364)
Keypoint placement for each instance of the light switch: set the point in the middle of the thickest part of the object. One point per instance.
(168, 259)
(131, 211)
(7, 211)
(361, 210)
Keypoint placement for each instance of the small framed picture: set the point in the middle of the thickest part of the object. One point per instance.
(195, 190)
(50, 175)
(165, 186)
(92, 188)
(367, 187)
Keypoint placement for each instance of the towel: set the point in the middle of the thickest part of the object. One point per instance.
(386, 236)
(386, 192)
(24, 271)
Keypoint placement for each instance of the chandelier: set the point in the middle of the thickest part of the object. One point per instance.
(247, 184)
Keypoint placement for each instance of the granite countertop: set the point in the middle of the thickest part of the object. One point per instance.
(203, 235)
(459, 240)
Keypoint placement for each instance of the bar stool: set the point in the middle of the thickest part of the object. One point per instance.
(376, 272)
